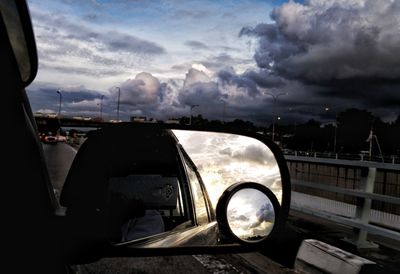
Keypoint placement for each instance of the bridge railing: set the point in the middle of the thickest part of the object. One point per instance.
(363, 195)
(391, 159)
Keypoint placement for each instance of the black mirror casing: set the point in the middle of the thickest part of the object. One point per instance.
(98, 209)
(17, 19)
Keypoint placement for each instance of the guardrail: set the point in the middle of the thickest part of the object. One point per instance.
(391, 159)
(358, 215)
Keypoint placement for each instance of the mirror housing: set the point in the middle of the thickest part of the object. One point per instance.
(105, 153)
(17, 21)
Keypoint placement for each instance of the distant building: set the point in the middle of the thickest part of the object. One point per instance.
(138, 119)
(172, 121)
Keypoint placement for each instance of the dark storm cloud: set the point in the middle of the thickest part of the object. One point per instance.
(339, 50)
(251, 80)
(45, 96)
(230, 77)
(265, 79)
(264, 214)
(200, 93)
(196, 45)
(222, 61)
(119, 41)
(320, 42)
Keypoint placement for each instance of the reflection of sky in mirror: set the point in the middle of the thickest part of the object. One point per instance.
(250, 214)
(224, 159)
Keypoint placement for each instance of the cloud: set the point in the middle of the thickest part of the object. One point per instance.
(129, 43)
(229, 77)
(265, 79)
(68, 47)
(336, 49)
(110, 39)
(323, 41)
(81, 70)
(266, 213)
(75, 99)
(143, 90)
(199, 89)
(255, 153)
(195, 76)
(196, 45)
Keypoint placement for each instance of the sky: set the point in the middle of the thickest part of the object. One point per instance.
(231, 58)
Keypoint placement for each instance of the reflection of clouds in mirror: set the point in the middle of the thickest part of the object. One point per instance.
(264, 214)
(250, 214)
(224, 159)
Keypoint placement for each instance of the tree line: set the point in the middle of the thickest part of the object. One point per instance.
(354, 131)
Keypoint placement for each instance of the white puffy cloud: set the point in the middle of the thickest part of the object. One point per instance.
(143, 90)
(195, 76)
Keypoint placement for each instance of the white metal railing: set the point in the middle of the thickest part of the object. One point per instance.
(360, 216)
(390, 159)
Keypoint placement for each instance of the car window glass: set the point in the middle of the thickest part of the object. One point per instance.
(198, 196)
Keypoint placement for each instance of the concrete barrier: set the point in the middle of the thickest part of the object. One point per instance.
(316, 257)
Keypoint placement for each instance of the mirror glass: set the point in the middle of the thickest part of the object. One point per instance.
(162, 186)
(250, 214)
(224, 159)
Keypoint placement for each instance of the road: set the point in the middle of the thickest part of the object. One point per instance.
(59, 158)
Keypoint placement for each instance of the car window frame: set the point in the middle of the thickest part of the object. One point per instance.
(189, 162)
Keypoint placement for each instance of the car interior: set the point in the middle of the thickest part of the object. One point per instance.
(138, 166)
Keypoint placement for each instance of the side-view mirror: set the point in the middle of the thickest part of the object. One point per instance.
(16, 18)
(145, 190)
(247, 213)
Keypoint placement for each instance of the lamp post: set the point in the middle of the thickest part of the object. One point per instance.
(274, 96)
(191, 109)
(119, 93)
(335, 129)
(59, 105)
(101, 107)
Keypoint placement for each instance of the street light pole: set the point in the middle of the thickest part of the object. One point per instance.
(274, 96)
(59, 105)
(101, 107)
(191, 109)
(335, 130)
(119, 93)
